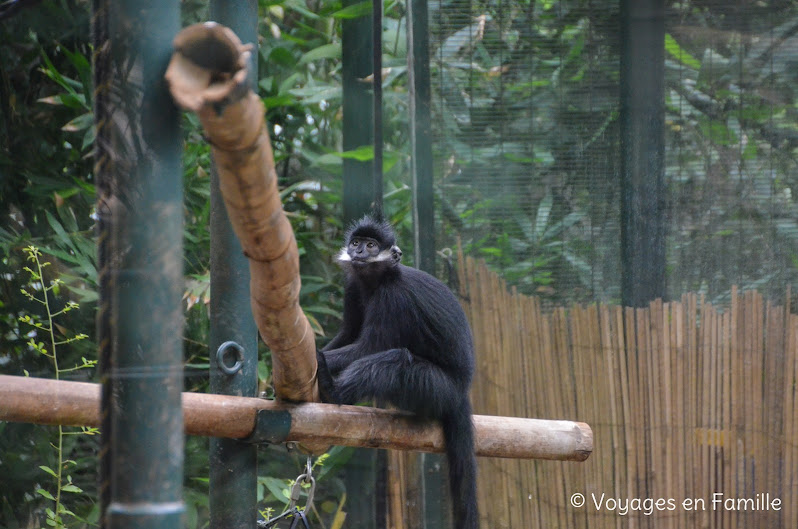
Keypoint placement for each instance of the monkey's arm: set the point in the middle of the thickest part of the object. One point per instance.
(337, 359)
(332, 362)
(325, 380)
(352, 321)
(410, 383)
(341, 339)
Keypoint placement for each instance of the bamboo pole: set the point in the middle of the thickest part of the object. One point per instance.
(739, 398)
(208, 76)
(22, 399)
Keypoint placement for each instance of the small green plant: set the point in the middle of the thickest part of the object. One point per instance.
(280, 489)
(46, 339)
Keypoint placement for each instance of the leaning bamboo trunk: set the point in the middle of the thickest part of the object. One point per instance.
(208, 75)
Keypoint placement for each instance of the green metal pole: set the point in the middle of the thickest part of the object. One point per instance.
(358, 117)
(431, 490)
(233, 464)
(376, 83)
(140, 211)
(642, 120)
(358, 113)
(418, 71)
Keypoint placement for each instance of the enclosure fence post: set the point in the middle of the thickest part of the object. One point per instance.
(420, 96)
(642, 121)
(233, 463)
(429, 494)
(358, 112)
(358, 194)
(140, 212)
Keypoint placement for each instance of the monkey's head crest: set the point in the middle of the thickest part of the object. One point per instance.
(368, 226)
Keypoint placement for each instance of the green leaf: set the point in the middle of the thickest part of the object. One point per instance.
(278, 101)
(81, 122)
(329, 159)
(280, 55)
(49, 470)
(679, 53)
(68, 100)
(45, 494)
(299, 7)
(316, 94)
(290, 81)
(321, 309)
(62, 509)
(544, 210)
(512, 157)
(263, 371)
(71, 488)
(354, 11)
(364, 153)
(328, 51)
(59, 231)
(83, 67)
(88, 138)
(277, 487)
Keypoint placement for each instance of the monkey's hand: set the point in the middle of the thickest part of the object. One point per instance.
(325, 379)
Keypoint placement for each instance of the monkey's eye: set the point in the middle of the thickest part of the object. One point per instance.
(370, 245)
(354, 242)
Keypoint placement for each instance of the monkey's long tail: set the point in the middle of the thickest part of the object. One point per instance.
(458, 433)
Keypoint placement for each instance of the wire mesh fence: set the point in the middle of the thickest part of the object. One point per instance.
(526, 118)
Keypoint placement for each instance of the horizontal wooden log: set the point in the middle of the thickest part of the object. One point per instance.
(46, 401)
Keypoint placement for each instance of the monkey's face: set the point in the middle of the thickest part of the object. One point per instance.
(362, 252)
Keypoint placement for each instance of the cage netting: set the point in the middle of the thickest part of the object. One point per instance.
(526, 125)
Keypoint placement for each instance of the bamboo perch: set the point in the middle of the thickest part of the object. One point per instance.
(45, 401)
(208, 75)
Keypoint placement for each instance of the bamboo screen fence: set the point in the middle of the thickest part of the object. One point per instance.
(691, 407)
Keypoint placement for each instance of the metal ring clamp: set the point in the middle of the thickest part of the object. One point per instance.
(220, 354)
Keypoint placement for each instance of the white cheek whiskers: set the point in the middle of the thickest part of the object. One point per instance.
(344, 259)
(384, 255)
(343, 256)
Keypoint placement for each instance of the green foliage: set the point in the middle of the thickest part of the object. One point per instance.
(526, 141)
(47, 198)
(47, 325)
(46, 201)
(525, 176)
(526, 102)
(731, 130)
(45, 338)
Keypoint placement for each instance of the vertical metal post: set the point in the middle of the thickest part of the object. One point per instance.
(381, 488)
(358, 114)
(358, 117)
(376, 29)
(642, 151)
(427, 468)
(421, 133)
(140, 210)
(233, 464)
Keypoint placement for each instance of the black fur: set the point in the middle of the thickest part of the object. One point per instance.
(406, 340)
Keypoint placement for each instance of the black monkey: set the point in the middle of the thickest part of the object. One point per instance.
(404, 340)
